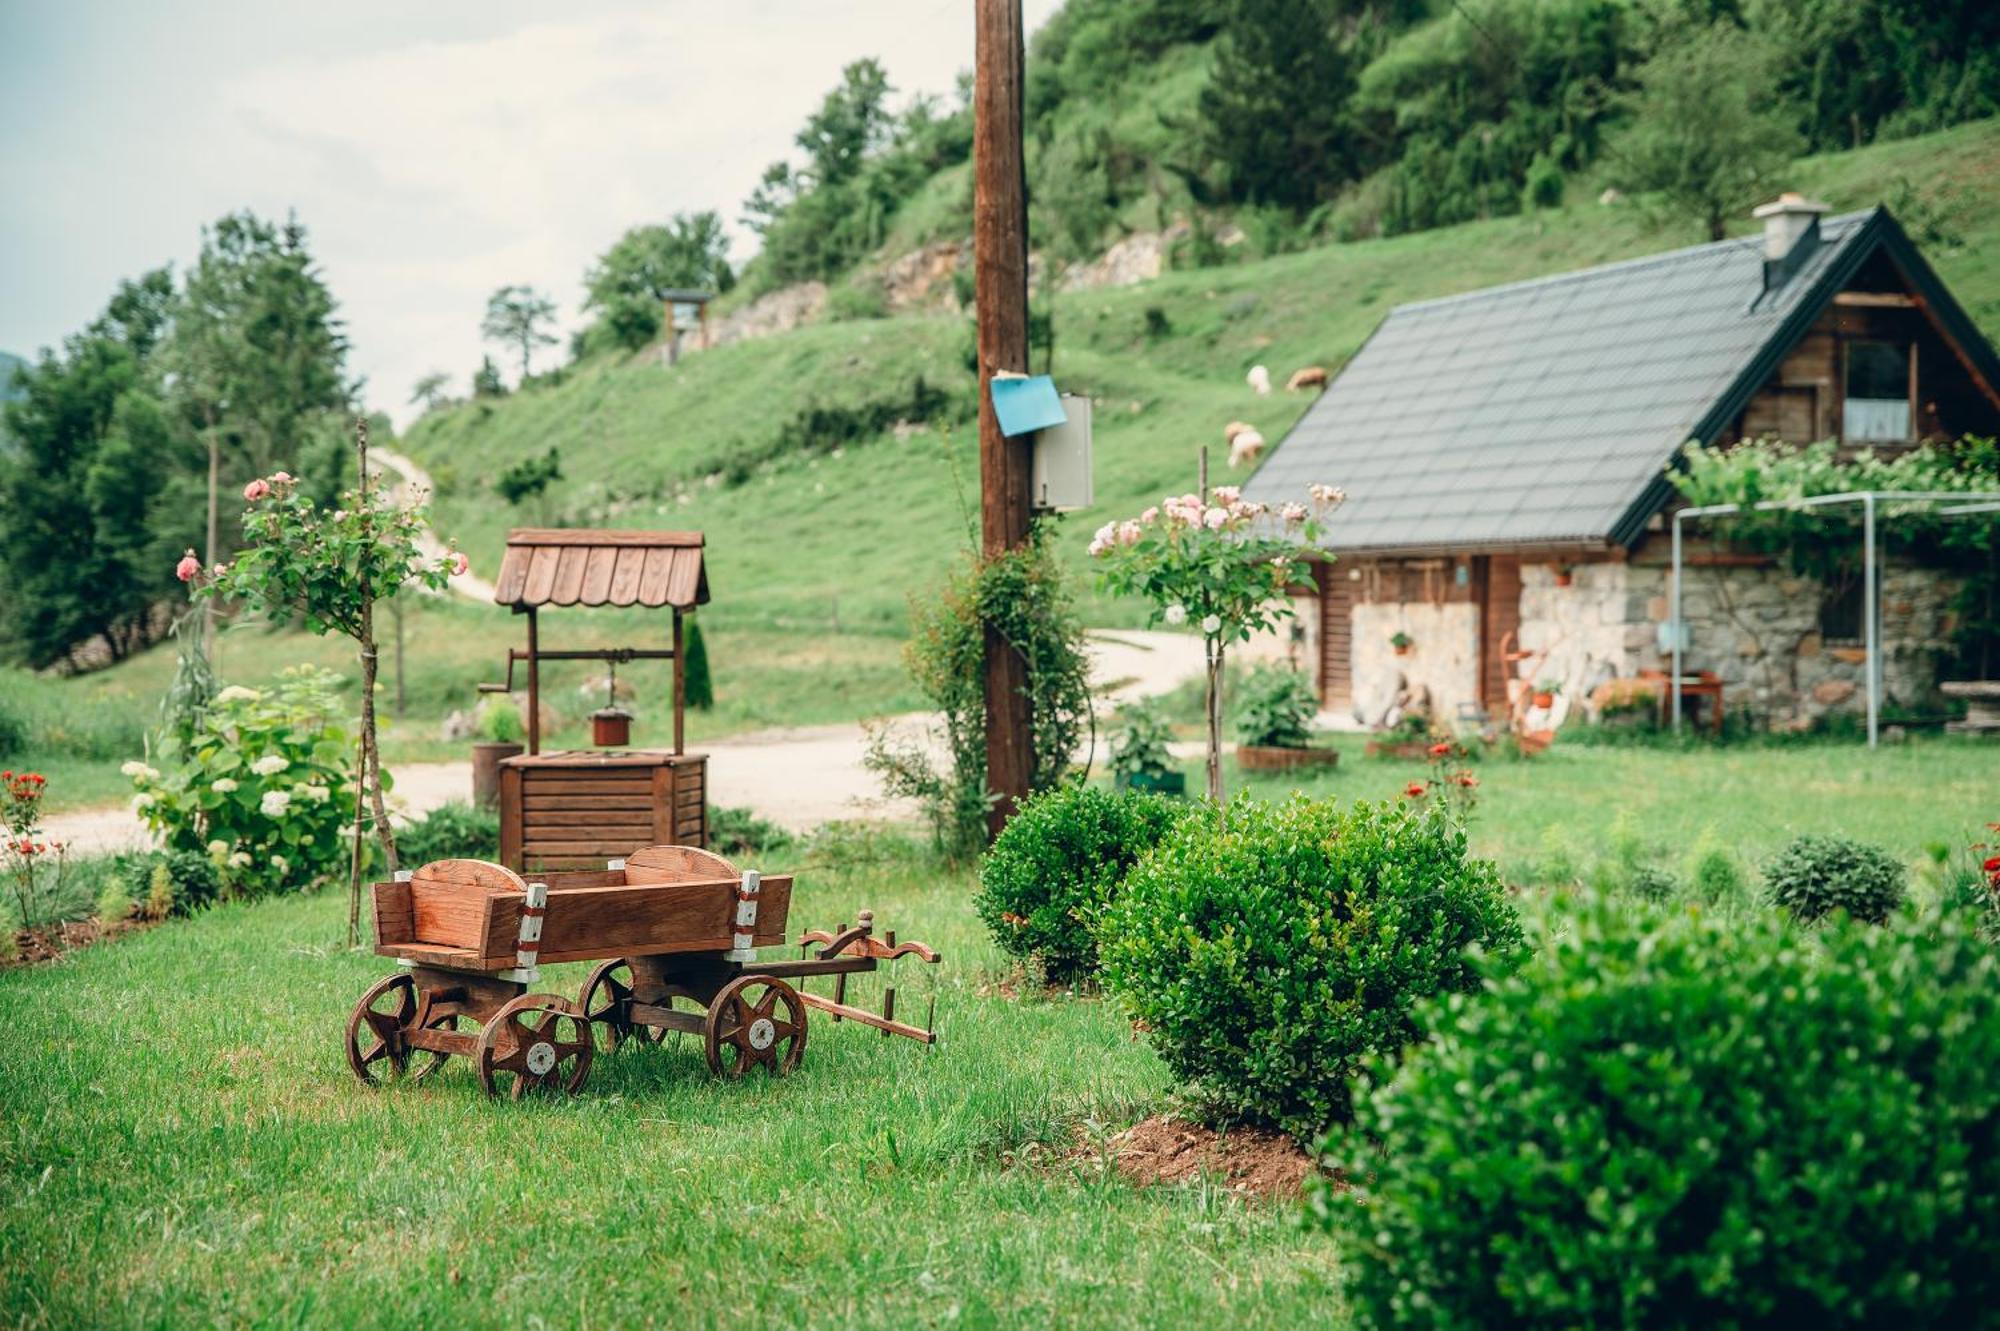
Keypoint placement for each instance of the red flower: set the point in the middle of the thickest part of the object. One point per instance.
(1415, 789)
(1993, 865)
(1441, 748)
(1466, 779)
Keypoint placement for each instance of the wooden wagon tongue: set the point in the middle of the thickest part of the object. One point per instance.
(860, 943)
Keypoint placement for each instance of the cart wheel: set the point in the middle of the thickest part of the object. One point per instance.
(539, 1041)
(607, 1006)
(755, 1021)
(377, 1048)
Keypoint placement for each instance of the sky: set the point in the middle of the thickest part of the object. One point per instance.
(435, 151)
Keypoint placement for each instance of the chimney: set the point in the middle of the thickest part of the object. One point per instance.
(1791, 234)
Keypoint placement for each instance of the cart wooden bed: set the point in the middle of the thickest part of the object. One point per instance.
(676, 929)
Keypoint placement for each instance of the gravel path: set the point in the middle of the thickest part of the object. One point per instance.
(798, 777)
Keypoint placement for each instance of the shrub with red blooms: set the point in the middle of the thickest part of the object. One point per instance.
(30, 864)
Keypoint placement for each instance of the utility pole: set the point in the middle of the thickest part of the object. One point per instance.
(1000, 289)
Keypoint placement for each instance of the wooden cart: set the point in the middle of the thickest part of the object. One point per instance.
(676, 928)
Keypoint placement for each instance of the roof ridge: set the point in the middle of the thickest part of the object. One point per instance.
(1844, 220)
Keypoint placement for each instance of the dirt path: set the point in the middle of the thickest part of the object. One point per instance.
(798, 777)
(415, 480)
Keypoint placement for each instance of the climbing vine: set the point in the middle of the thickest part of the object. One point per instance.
(1825, 543)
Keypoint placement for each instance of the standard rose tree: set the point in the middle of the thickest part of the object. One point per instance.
(1222, 562)
(329, 568)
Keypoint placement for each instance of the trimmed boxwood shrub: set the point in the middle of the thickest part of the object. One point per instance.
(1057, 864)
(1269, 949)
(1705, 1123)
(453, 831)
(1817, 875)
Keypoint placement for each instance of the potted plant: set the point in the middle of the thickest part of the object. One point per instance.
(1401, 642)
(1274, 728)
(499, 729)
(1545, 693)
(1140, 759)
(1564, 575)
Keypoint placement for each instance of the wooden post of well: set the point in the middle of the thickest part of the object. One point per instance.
(680, 688)
(1000, 286)
(534, 685)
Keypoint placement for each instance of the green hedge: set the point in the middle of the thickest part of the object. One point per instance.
(1058, 864)
(1270, 949)
(1703, 1123)
(1817, 875)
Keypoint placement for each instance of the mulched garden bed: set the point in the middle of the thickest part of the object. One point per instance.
(33, 947)
(1256, 1162)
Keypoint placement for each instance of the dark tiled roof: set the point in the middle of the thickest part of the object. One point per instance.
(1543, 412)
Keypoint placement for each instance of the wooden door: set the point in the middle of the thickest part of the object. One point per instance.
(1498, 581)
(1336, 637)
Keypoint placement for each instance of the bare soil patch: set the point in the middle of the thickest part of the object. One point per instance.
(32, 947)
(1258, 1162)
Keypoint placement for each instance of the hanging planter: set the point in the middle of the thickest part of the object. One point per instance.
(1564, 575)
(610, 728)
(1545, 694)
(1401, 643)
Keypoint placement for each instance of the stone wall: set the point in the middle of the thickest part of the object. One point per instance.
(1443, 657)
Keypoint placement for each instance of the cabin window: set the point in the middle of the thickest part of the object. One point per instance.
(1840, 611)
(1878, 392)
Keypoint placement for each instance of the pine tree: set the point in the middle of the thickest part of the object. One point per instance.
(1274, 113)
(700, 692)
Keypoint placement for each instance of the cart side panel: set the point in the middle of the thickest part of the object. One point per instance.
(587, 923)
(393, 921)
(454, 914)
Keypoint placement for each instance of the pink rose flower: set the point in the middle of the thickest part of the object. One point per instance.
(459, 563)
(1129, 533)
(1226, 495)
(189, 568)
(1150, 516)
(1293, 513)
(256, 490)
(282, 478)
(1215, 519)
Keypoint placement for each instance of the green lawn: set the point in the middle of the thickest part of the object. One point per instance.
(181, 1143)
(181, 1140)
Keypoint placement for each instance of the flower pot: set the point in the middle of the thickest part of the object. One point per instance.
(610, 728)
(1271, 758)
(1160, 783)
(1562, 579)
(1404, 650)
(486, 760)
(1543, 700)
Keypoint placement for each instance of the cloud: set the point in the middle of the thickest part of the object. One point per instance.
(432, 173)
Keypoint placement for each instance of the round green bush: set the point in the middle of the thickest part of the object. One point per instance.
(1651, 883)
(1817, 875)
(1057, 864)
(1707, 1123)
(1269, 949)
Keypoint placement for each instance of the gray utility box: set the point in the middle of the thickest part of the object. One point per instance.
(1061, 474)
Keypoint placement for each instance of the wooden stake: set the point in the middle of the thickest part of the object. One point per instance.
(1000, 273)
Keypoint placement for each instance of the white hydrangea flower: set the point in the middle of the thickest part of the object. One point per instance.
(275, 804)
(317, 794)
(1212, 625)
(240, 860)
(218, 848)
(141, 803)
(139, 771)
(280, 863)
(270, 764)
(1176, 615)
(237, 693)
(224, 785)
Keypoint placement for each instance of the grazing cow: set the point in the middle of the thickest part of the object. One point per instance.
(1259, 379)
(1245, 448)
(1312, 376)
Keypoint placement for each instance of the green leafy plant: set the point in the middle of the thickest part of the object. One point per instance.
(734, 832)
(113, 905)
(1670, 1121)
(1401, 641)
(454, 831)
(1270, 950)
(1817, 875)
(1649, 882)
(530, 478)
(1276, 708)
(262, 787)
(1212, 561)
(1058, 864)
(1713, 874)
(498, 720)
(1139, 741)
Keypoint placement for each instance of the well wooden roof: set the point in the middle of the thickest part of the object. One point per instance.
(583, 566)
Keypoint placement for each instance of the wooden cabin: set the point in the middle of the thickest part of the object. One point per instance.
(1504, 454)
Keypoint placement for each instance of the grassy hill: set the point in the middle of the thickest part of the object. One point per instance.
(813, 559)
(820, 541)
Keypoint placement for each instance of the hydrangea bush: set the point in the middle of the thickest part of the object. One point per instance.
(263, 787)
(1220, 562)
